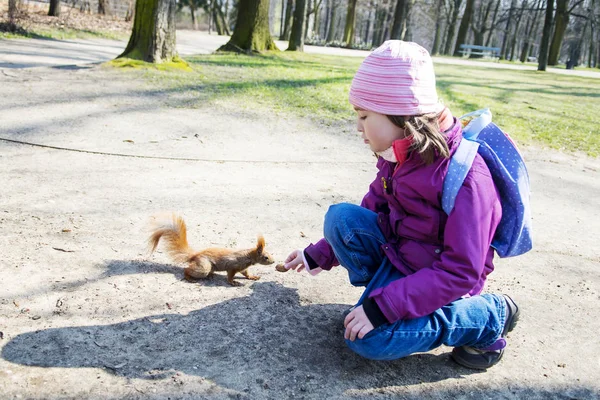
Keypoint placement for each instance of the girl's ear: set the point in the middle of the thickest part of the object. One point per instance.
(260, 245)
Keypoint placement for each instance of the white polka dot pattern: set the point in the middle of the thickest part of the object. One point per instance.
(513, 235)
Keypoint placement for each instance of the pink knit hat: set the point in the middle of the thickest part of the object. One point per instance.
(397, 78)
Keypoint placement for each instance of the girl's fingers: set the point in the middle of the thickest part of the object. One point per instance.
(349, 328)
(292, 256)
(364, 330)
(355, 329)
(348, 318)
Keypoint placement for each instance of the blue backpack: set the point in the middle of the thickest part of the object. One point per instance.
(480, 135)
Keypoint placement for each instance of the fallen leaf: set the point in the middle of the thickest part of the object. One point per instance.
(128, 141)
(66, 230)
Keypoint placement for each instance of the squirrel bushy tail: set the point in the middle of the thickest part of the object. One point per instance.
(174, 233)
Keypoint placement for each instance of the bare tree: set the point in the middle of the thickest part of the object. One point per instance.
(455, 8)
(297, 35)
(332, 22)
(547, 31)
(104, 7)
(493, 24)
(531, 29)
(480, 23)
(463, 30)
(287, 23)
(437, 38)
(561, 22)
(399, 25)
(54, 10)
(350, 23)
(516, 33)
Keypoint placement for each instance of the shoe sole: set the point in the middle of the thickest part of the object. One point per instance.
(462, 362)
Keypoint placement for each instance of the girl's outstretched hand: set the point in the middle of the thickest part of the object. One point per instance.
(295, 261)
(357, 324)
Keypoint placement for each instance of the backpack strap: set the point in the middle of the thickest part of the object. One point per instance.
(460, 164)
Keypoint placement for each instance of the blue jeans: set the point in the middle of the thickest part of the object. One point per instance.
(355, 237)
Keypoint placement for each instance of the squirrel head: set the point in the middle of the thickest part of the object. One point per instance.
(262, 256)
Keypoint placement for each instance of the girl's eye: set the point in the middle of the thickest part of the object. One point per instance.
(363, 118)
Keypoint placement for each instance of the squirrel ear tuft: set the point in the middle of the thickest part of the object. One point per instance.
(260, 245)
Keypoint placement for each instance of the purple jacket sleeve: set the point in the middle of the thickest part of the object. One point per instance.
(467, 238)
(321, 252)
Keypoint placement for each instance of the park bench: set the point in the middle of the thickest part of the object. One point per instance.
(485, 51)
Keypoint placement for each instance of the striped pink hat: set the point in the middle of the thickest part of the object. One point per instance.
(397, 78)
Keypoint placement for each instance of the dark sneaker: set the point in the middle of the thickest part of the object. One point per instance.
(485, 358)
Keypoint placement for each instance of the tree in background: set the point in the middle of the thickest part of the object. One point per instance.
(297, 35)
(350, 22)
(547, 31)
(153, 36)
(54, 10)
(463, 30)
(104, 7)
(453, 17)
(251, 31)
(287, 22)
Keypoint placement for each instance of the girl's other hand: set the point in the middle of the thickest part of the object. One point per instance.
(357, 324)
(295, 261)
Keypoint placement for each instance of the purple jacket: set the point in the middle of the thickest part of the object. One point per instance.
(443, 256)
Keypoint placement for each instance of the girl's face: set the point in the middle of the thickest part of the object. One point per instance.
(377, 130)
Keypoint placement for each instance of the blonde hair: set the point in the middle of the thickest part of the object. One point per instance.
(427, 139)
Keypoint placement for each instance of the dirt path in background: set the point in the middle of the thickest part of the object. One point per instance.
(84, 314)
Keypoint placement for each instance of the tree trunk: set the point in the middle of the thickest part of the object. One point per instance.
(251, 31)
(517, 25)
(398, 27)
(503, 50)
(435, 50)
(130, 11)
(104, 7)
(287, 26)
(297, 35)
(533, 24)
(543, 57)
(332, 20)
(493, 24)
(452, 27)
(54, 8)
(368, 28)
(575, 50)
(317, 19)
(193, 15)
(464, 27)
(153, 36)
(309, 11)
(591, 50)
(350, 22)
(561, 21)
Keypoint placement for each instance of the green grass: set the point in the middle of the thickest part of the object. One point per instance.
(45, 32)
(559, 111)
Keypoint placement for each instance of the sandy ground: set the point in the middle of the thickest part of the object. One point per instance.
(84, 313)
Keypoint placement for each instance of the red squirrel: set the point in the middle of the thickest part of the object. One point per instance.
(203, 263)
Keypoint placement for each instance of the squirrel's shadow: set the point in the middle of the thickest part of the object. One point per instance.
(266, 336)
(130, 267)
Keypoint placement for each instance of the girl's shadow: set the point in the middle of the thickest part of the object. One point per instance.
(267, 336)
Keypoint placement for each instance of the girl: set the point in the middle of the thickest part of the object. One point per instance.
(423, 270)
